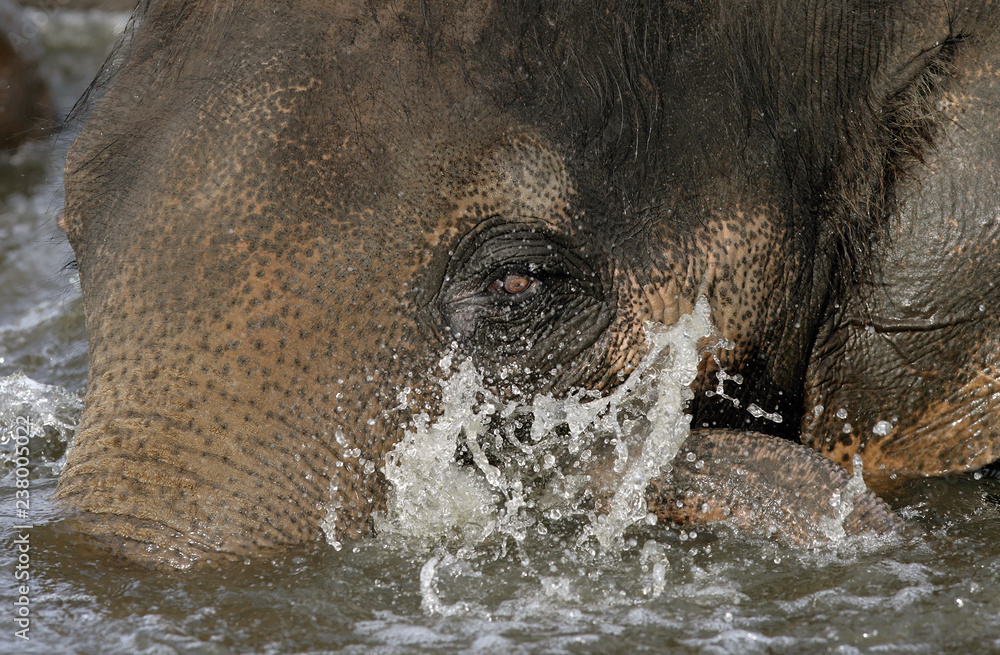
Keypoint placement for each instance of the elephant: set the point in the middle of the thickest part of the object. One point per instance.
(297, 224)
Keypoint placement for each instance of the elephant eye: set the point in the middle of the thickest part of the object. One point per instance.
(513, 284)
(513, 289)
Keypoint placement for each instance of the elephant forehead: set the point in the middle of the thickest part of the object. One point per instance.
(515, 176)
(283, 155)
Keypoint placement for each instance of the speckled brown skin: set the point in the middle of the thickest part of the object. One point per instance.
(25, 108)
(284, 214)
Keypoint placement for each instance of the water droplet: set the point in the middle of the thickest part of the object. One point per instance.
(882, 428)
(757, 412)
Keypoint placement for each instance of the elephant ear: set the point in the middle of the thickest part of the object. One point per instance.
(905, 369)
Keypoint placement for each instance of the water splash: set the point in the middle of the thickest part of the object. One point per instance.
(654, 561)
(516, 477)
(47, 413)
(842, 502)
(490, 469)
(430, 597)
(432, 494)
(674, 356)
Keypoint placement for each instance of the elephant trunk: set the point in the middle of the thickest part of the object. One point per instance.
(162, 482)
(759, 482)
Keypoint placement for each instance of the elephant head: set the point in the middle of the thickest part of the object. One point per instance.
(295, 222)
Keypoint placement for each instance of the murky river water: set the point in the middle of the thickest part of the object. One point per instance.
(935, 590)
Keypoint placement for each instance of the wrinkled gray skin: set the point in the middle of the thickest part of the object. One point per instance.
(284, 213)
